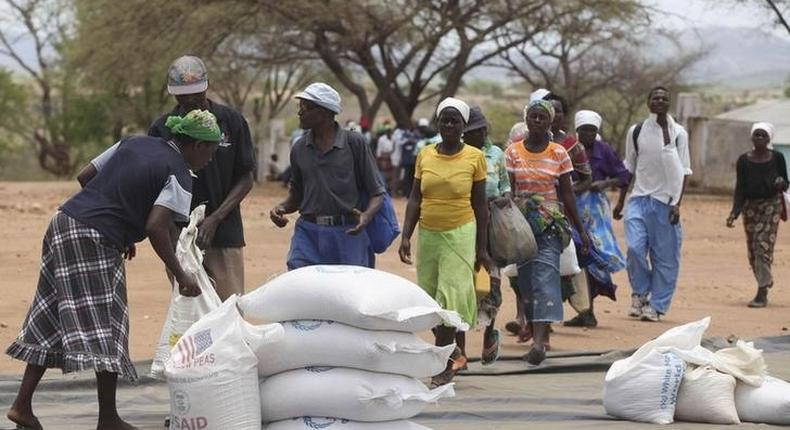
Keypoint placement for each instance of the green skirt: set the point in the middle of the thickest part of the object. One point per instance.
(445, 268)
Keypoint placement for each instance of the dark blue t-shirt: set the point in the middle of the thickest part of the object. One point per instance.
(133, 175)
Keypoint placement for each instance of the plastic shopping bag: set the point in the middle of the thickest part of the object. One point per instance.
(185, 311)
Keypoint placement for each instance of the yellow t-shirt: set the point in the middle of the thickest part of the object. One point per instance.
(446, 185)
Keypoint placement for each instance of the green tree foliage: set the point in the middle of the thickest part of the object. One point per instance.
(14, 111)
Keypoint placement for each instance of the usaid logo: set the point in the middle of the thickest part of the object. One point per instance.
(181, 402)
(192, 346)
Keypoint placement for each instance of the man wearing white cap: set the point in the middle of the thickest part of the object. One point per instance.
(657, 154)
(333, 173)
(223, 183)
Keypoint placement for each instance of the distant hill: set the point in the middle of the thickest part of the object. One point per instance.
(739, 57)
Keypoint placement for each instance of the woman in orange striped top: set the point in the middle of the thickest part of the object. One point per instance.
(540, 177)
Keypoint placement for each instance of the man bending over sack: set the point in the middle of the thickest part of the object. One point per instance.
(333, 174)
(79, 318)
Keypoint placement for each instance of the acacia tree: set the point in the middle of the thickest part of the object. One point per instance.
(410, 50)
(65, 118)
(596, 58)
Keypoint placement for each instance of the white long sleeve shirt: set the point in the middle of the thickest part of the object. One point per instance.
(659, 169)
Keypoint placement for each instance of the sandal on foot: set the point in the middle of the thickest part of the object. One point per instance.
(492, 351)
(513, 327)
(524, 335)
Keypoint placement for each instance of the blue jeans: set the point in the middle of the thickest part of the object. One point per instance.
(314, 244)
(653, 251)
(539, 280)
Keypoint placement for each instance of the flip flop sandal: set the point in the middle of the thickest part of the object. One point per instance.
(524, 335)
(513, 328)
(491, 353)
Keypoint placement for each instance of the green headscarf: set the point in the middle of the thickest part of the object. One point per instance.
(546, 105)
(197, 124)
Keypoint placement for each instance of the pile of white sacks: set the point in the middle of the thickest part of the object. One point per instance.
(674, 378)
(340, 352)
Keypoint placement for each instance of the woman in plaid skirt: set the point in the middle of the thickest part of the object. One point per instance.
(79, 318)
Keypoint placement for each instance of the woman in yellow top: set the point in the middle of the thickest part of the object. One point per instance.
(449, 201)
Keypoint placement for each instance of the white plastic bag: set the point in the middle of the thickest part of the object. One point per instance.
(707, 396)
(326, 343)
(768, 403)
(184, 311)
(510, 271)
(357, 296)
(351, 394)
(212, 373)
(312, 423)
(510, 236)
(644, 390)
(569, 265)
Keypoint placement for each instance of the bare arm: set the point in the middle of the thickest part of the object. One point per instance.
(208, 227)
(158, 228)
(480, 207)
(410, 221)
(569, 200)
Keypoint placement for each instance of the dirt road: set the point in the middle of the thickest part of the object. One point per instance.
(714, 279)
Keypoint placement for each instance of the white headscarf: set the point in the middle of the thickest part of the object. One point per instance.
(458, 104)
(765, 126)
(539, 94)
(587, 117)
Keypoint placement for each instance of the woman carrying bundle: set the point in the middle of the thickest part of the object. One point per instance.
(540, 175)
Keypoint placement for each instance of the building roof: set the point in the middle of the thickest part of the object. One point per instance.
(776, 111)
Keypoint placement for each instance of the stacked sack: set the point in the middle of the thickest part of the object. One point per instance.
(349, 357)
(674, 378)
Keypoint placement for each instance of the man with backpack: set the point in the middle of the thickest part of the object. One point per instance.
(334, 185)
(657, 154)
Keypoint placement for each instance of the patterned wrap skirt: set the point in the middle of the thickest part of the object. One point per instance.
(79, 318)
(761, 222)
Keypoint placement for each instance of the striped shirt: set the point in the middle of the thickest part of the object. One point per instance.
(538, 173)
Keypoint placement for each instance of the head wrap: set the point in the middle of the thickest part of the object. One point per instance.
(518, 132)
(476, 119)
(452, 102)
(539, 94)
(765, 126)
(323, 95)
(587, 117)
(197, 124)
(546, 105)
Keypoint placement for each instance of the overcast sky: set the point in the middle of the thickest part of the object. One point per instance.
(702, 13)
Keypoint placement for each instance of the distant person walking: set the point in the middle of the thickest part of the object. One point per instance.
(223, 183)
(333, 171)
(657, 154)
(79, 318)
(449, 202)
(761, 181)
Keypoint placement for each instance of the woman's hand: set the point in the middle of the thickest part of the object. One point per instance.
(586, 242)
(405, 250)
(731, 221)
(482, 259)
